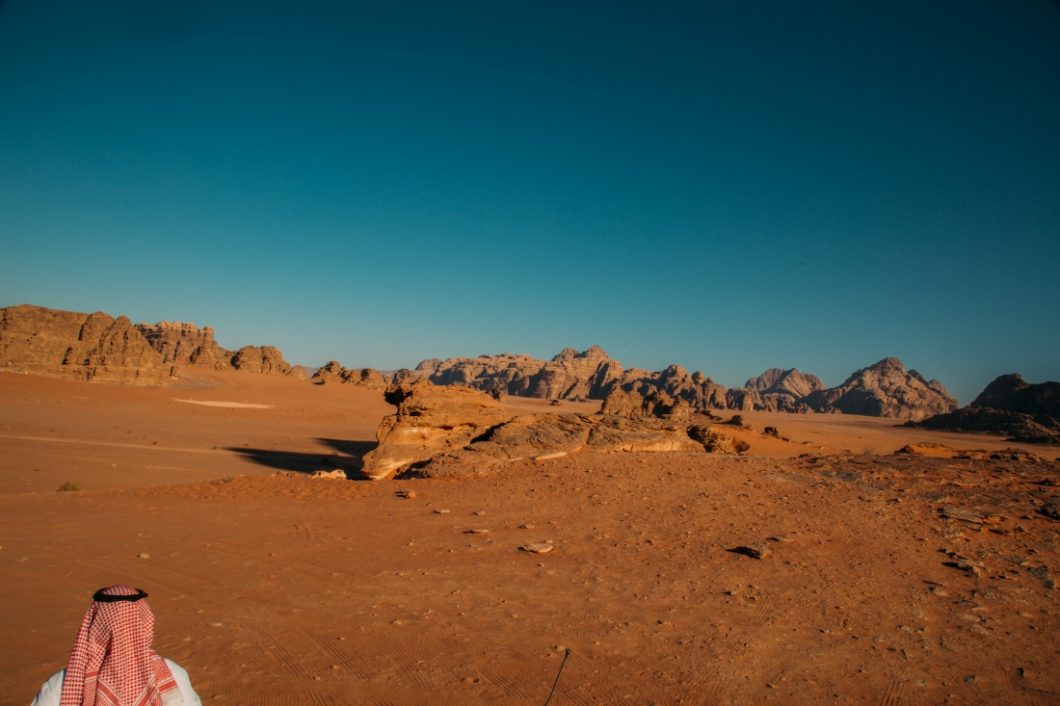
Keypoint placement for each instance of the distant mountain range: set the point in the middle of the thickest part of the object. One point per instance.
(100, 347)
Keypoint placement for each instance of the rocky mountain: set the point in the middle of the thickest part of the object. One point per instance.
(94, 347)
(1011, 407)
(569, 375)
(885, 389)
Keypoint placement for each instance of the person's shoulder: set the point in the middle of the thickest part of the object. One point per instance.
(51, 690)
(180, 675)
(176, 668)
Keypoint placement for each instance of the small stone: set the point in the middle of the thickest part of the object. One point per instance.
(440, 511)
(537, 548)
(477, 531)
(480, 513)
(406, 494)
(755, 551)
(143, 555)
(217, 625)
(527, 525)
(337, 474)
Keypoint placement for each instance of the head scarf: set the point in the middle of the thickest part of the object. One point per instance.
(112, 663)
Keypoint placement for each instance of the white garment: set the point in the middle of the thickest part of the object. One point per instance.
(52, 690)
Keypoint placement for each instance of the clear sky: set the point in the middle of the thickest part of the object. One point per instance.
(730, 186)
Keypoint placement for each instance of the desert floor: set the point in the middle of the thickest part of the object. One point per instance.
(273, 588)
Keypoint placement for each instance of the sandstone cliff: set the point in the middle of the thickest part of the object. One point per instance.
(885, 389)
(186, 344)
(94, 347)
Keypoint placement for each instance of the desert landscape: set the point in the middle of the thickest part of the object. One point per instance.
(679, 555)
(529, 354)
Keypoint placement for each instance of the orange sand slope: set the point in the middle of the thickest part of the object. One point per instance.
(283, 589)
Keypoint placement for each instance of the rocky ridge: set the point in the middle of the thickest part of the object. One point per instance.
(885, 389)
(92, 347)
(99, 347)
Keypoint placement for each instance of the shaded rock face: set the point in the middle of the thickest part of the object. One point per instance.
(457, 431)
(333, 373)
(1012, 393)
(186, 344)
(94, 347)
(1010, 407)
(885, 389)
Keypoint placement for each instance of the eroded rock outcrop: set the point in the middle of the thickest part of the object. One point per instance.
(885, 389)
(430, 420)
(446, 431)
(1011, 407)
(94, 347)
(261, 359)
(332, 372)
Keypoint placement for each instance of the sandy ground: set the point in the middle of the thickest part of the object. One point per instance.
(272, 588)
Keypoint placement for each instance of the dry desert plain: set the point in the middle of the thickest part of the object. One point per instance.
(274, 588)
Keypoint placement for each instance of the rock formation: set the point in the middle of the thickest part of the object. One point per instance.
(260, 359)
(186, 344)
(333, 373)
(443, 431)
(571, 375)
(94, 347)
(1010, 407)
(430, 419)
(788, 382)
(885, 389)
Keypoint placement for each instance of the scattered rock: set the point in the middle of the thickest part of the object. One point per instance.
(406, 494)
(755, 551)
(337, 474)
(143, 555)
(441, 511)
(1051, 509)
(537, 548)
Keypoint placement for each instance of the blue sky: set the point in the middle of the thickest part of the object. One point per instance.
(729, 186)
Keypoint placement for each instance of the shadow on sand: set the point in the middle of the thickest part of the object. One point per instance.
(347, 456)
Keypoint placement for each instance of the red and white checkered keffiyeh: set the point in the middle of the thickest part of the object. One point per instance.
(112, 663)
